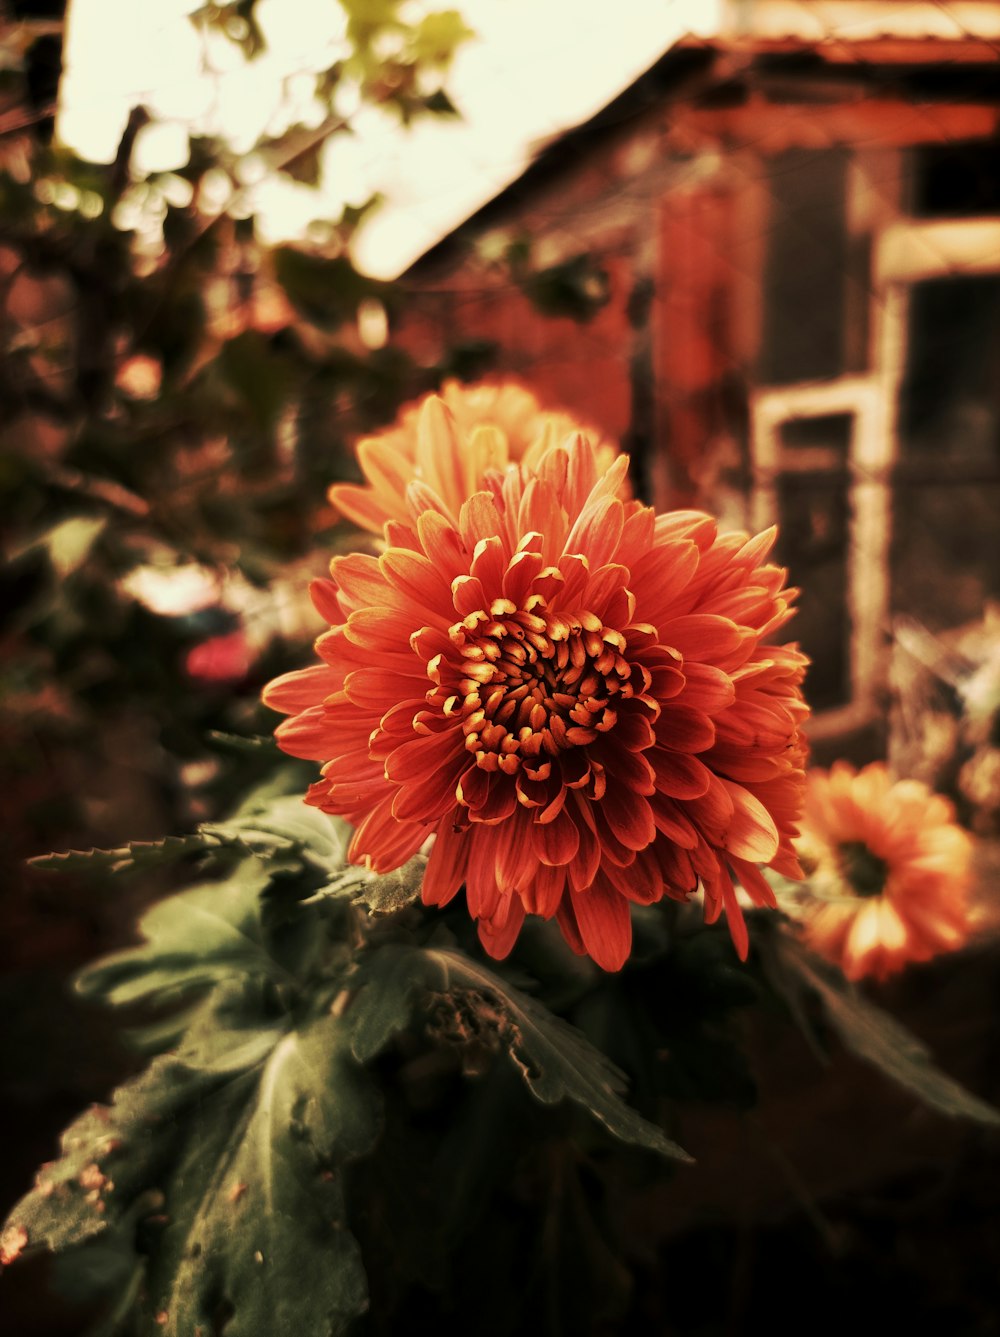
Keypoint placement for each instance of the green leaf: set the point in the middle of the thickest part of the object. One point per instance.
(137, 854)
(286, 824)
(68, 544)
(253, 744)
(193, 939)
(879, 1039)
(438, 36)
(265, 826)
(326, 291)
(441, 104)
(236, 1169)
(479, 1008)
(110, 1160)
(256, 1209)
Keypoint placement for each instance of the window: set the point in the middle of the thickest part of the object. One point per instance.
(955, 180)
(818, 472)
(946, 545)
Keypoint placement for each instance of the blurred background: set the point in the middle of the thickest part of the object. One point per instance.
(758, 243)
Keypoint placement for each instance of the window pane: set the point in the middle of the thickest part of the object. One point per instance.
(956, 180)
(831, 432)
(950, 404)
(813, 516)
(946, 521)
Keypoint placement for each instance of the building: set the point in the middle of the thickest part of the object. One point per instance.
(785, 240)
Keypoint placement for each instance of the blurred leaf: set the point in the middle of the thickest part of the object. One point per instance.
(438, 36)
(325, 291)
(259, 376)
(441, 104)
(243, 743)
(236, 21)
(67, 544)
(305, 165)
(876, 1037)
(576, 288)
(554, 1060)
(355, 214)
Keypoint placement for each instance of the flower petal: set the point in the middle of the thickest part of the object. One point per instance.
(605, 926)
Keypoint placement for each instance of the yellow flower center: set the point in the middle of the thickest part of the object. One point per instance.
(536, 683)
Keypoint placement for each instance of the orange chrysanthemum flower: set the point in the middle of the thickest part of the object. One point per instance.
(891, 871)
(495, 424)
(580, 700)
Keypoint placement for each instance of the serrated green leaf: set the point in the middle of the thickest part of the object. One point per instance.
(237, 1167)
(380, 893)
(879, 1039)
(111, 1159)
(555, 1061)
(135, 855)
(286, 824)
(256, 1208)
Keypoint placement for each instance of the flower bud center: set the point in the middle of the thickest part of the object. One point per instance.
(864, 871)
(536, 683)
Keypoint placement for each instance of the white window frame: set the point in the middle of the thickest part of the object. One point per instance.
(904, 252)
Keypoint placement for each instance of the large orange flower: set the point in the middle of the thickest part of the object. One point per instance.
(890, 871)
(579, 699)
(492, 424)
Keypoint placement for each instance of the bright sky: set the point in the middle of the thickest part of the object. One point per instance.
(534, 68)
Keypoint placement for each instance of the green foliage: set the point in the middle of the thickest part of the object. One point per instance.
(136, 854)
(230, 1172)
(326, 292)
(801, 978)
(289, 989)
(576, 287)
(342, 1070)
(476, 1009)
(173, 393)
(383, 893)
